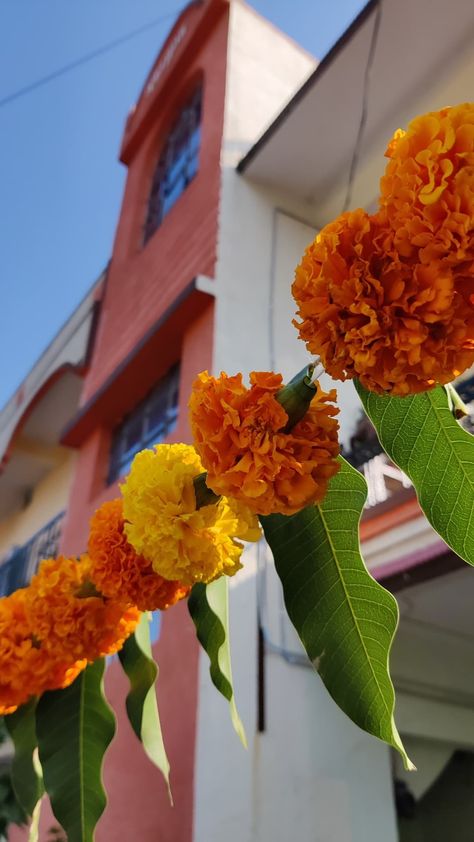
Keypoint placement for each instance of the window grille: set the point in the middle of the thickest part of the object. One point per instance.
(148, 424)
(22, 562)
(365, 444)
(177, 164)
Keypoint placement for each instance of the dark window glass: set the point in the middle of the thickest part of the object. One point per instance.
(177, 165)
(149, 423)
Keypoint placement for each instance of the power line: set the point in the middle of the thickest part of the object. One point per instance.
(106, 48)
(365, 105)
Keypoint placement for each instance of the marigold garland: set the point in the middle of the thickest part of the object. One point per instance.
(26, 667)
(118, 572)
(163, 524)
(387, 298)
(396, 323)
(239, 434)
(67, 622)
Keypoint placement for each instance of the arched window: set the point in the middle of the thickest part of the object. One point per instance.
(177, 164)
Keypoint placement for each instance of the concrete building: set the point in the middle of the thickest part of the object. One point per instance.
(238, 149)
(35, 467)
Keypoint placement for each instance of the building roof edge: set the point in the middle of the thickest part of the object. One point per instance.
(321, 68)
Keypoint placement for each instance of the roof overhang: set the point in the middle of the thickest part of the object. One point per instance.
(308, 148)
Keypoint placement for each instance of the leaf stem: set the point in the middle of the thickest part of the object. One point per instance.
(34, 824)
(460, 409)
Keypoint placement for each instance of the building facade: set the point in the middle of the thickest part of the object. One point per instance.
(35, 467)
(237, 151)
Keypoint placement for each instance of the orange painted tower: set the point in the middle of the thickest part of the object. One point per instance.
(155, 332)
(154, 335)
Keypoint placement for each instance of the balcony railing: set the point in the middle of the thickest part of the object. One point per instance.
(18, 568)
(384, 479)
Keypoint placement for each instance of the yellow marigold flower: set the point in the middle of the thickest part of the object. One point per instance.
(162, 523)
(26, 667)
(427, 191)
(70, 623)
(118, 572)
(239, 434)
(398, 324)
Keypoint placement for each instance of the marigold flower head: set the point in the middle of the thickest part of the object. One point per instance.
(427, 191)
(162, 523)
(239, 434)
(118, 572)
(70, 623)
(397, 323)
(26, 667)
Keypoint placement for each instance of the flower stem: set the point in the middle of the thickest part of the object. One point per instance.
(296, 396)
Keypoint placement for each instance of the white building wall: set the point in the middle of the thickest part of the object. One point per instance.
(312, 773)
(49, 498)
(253, 284)
(257, 52)
(262, 237)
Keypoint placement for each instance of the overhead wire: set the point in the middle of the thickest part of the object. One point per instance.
(85, 59)
(292, 657)
(365, 106)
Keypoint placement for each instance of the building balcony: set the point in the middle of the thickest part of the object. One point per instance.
(21, 563)
(383, 478)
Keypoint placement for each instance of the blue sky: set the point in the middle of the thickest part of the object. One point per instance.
(61, 182)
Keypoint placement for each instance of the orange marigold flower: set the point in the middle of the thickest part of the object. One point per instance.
(118, 572)
(399, 324)
(70, 623)
(427, 192)
(163, 523)
(239, 435)
(26, 667)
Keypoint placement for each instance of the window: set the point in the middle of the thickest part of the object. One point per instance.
(149, 423)
(177, 165)
(17, 568)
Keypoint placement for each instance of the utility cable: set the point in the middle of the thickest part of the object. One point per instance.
(365, 105)
(291, 657)
(85, 59)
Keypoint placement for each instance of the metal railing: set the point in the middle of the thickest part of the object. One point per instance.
(364, 451)
(21, 564)
(383, 477)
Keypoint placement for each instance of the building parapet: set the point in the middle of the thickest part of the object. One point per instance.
(69, 350)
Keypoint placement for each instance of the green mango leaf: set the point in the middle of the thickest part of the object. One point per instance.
(26, 775)
(420, 434)
(139, 665)
(209, 609)
(345, 619)
(74, 727)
